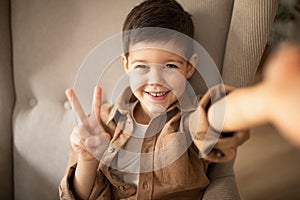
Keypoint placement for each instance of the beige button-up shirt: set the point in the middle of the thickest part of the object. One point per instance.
(175, 151)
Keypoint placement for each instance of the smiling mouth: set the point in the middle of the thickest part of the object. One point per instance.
(157, 95)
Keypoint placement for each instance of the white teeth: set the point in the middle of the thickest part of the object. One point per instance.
(155, 94)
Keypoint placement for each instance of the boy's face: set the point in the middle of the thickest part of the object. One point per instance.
(157, 77)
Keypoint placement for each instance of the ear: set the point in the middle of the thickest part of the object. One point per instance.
(192, 64)
(125, 63)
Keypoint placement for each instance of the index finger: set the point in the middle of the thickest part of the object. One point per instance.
(97, 105)
(77, 106)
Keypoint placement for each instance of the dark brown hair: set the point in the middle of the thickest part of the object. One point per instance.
(166, 14)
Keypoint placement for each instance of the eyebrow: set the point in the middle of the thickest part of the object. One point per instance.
(166, 61)
(135, 61)
(176, 60)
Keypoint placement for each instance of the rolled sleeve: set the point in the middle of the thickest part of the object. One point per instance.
(65, 190)
(214, 146)
(100, 190)
(101, 187)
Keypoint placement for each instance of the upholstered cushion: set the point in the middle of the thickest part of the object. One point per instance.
(247, 37)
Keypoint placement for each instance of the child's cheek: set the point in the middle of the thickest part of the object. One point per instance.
(136, 80)
(176, 81)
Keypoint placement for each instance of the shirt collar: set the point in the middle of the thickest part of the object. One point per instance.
(123, 103)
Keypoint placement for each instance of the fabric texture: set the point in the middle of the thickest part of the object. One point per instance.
(223, 184)
(243, 51)
(170, 165)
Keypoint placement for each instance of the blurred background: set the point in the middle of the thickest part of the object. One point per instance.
(272, 163)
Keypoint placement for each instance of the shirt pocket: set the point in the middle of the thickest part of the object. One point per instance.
(180, 165)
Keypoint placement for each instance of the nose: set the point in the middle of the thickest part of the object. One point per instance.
(155, 76)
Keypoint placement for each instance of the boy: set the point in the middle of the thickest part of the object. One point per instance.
(146, 149)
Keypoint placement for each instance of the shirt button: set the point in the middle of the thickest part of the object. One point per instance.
(111, 149)
(219, 154)
(32, 102)
(121, 187)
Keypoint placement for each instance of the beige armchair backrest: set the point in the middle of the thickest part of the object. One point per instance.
(43, 44)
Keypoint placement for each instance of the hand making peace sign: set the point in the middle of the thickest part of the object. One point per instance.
(89, 139)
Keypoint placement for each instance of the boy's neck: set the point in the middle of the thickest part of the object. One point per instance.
(140, 115)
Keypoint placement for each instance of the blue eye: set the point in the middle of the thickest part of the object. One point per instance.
(141, 67)
(171, 66)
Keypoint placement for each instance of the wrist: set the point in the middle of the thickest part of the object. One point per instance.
(84, 163)
(270, 94)
(265, 93)
(84, 177)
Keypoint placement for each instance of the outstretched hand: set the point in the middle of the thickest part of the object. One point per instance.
(275, 100)
(282, 81)
(89, 139)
